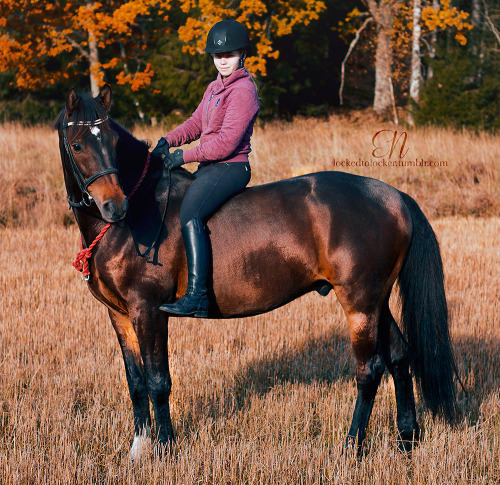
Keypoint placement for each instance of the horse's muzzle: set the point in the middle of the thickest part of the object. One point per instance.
(113, 212)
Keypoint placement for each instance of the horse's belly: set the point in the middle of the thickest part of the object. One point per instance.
(257, 279)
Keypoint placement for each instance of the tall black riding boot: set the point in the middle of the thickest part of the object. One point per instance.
(195, 301)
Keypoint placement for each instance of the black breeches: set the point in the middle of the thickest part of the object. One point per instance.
(213, 185)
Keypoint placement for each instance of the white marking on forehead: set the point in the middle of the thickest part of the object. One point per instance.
(95, 131)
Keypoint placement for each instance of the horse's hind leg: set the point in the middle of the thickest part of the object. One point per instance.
(396, 358)
(363, 328)
(136, 381)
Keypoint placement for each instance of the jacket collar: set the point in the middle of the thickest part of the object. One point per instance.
(223, 83)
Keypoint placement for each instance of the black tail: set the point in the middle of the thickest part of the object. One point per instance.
(424, 315)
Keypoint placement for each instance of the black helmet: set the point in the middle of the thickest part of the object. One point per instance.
(227, 36)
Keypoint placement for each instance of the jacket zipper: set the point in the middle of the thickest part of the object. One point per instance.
(206, 110)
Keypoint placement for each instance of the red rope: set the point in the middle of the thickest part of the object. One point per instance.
(81, 262)
(141, 178)
(82, 258)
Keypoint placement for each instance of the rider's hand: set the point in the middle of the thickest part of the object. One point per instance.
(161, 148)
(175, 159)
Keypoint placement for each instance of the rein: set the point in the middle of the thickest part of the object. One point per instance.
(83, 183)
(81, 262)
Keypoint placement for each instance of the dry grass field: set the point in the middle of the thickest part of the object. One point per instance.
(264, 400)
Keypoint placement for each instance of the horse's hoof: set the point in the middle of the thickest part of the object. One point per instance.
(141, 447)
(407, 441)
(351, 445)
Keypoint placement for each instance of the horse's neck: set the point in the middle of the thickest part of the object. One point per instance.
(90, 223)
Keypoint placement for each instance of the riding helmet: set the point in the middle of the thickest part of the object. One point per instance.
(227, 36)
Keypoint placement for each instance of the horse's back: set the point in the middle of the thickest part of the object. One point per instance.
(346, 203)
(282, 239)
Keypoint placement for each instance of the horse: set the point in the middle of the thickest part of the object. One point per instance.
(270, 245)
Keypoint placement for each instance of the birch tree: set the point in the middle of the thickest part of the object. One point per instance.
(415, 57)
(383, 14)
(403, 29)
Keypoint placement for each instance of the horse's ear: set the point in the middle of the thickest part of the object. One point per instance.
(71, 102)
(104, 97)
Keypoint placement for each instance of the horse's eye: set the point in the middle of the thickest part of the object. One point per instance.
(76, 147)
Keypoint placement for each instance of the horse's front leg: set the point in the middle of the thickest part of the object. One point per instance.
(151, 326)
(136, 379)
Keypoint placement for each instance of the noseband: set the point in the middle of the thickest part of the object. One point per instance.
(83, 183)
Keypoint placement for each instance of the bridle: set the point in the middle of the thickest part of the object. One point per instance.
(83, 183)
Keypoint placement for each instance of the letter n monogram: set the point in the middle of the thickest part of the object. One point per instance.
(395, 140)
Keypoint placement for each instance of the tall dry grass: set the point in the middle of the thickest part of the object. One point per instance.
(260, 400)
(32, 189)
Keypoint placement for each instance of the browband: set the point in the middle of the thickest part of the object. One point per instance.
(85, 123)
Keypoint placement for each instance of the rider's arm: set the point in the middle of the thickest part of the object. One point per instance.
(241, 111)
(191, 129)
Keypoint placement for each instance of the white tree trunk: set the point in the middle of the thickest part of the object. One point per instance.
(351, 47)
(383, 71)
(432, 47)
(94, 63)
(415, 58)
(383, 13)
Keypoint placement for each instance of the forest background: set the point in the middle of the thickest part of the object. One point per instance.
(436, 60)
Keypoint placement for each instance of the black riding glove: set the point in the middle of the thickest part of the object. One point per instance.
(172, 160)
(161, 148)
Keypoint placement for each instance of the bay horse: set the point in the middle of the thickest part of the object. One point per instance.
(270, 244)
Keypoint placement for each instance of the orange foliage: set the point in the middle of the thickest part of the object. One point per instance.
(32, 31)
(263, 23)
(447, 16)
(441, 18)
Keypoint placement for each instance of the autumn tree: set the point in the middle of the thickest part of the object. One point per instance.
(383, 13)
(109, 36)
(464, 89)
(401, 30)
(264, 21)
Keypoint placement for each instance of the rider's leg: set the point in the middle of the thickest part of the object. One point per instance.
(213, 185)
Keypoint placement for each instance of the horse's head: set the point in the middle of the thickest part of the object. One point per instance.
(90, 163)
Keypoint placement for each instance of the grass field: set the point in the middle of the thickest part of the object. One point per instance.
(261, 400)
(32, 189)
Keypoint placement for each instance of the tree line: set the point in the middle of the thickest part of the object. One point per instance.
(436, 58)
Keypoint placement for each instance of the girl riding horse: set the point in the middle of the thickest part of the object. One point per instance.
(224, 123)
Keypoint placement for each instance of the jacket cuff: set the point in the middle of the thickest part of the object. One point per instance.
(170, 141)
(190, 155)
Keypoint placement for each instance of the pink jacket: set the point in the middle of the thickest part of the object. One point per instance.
(223, 121)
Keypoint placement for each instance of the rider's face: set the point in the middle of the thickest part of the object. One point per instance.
(227, 62)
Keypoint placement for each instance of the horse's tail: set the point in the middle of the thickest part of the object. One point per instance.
(424, 315)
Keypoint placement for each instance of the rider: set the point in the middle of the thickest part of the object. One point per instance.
(224, 124)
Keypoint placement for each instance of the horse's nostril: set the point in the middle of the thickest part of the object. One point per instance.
(113, 211)
(108, 206)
